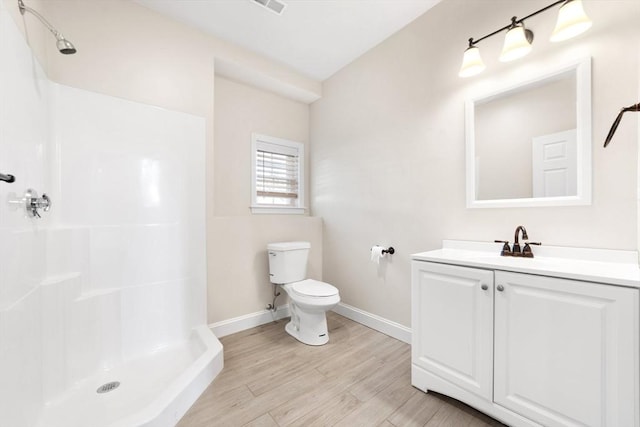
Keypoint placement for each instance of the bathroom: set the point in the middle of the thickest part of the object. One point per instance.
(384, 140)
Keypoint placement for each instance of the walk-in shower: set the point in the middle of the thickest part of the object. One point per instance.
(103, 295)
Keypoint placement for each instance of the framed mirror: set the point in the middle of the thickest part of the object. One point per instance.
(529, 144)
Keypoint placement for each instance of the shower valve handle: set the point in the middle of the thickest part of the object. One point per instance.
(7, 178)
(35, 203)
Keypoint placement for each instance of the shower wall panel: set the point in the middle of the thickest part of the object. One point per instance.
(24, 135)
(133, 175)
(116, 269)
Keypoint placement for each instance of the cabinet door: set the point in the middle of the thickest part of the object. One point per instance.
(566, 352)
(452, 322)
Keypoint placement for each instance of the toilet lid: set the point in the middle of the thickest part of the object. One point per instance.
(314, 288)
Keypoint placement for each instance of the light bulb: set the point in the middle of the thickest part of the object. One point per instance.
(516, 44)
(471, 62)
(572, 20)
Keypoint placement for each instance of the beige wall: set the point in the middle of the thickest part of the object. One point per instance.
(128, 51)
(239, 273)
(387, 145)
(240, 111)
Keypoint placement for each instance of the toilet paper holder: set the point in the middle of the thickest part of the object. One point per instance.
(389, 251)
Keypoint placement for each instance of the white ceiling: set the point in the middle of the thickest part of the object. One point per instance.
(314, 37)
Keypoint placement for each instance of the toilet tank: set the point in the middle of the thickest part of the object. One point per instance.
(288, 261)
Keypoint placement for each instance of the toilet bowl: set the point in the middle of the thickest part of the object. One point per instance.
(309, 299)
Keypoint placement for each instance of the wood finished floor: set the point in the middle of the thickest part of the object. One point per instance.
(360, 378)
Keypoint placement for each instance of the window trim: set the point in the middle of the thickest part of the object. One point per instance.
(257, 208)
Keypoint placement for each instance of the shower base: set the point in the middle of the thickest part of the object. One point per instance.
(154, 391)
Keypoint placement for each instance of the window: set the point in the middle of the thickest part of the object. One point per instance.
(277, 175)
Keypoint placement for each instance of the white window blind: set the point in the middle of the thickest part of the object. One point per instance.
(277, 173)
(276, 176)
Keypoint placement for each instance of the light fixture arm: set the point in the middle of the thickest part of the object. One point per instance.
(23, 8)
(514, 22)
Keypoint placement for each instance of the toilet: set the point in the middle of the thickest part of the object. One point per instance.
(310, 299)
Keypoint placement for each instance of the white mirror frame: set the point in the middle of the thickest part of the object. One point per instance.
(582, 68)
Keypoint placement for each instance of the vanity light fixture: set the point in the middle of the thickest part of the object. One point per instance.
(572, 20)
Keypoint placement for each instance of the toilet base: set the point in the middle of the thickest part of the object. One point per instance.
(308, 328)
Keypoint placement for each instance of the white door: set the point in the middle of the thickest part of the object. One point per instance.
(566, 352)
(452, 320)
(554, 165)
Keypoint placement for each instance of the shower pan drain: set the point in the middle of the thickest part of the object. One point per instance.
(106, 388)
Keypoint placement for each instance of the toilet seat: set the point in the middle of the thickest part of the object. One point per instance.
(313, 288)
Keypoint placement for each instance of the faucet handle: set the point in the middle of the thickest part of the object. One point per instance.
(506, 250)
(526, 251)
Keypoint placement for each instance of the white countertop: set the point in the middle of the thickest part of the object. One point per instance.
(608, 266)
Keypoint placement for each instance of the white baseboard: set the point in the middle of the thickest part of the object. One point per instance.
(248, 321)
(373, 321)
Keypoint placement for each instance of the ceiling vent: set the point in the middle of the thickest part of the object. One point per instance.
(273, 5)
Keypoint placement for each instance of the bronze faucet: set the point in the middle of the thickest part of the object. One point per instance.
(516, 244)
(525, 252)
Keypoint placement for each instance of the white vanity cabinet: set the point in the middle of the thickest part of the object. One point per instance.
(453, 324)
(566, 351)
(528, 349)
